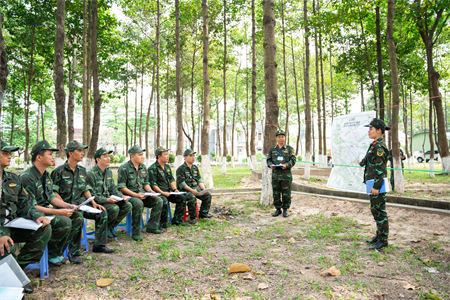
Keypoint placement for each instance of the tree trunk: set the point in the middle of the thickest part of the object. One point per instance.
(398, 174)
(89, 74)
(3, 80)
(126, 121)
(135, 108)
(247, 144)
(71, 102)
(234, 117)
(218, 129)
(331, 86)
(158, 99)
(167, 109)
(225, 150)
(192, 90)
(430, 138)
(405, 127)
(147, 123)
(253, 132)
(412, 130)
(362, 95)
(58, 79)
(296, 96)
(89, 160)
(13, 113)
(308, 121)
(379, 62)
(319, 109)
(142, 106)
(206, 165)
(85, 80)
(324, 112)
(285, 74)
(179, 157)
(271, 93)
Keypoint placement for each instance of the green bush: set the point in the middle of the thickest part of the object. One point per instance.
(114, 158)
(244, 160)
(213, 154)
(121, 158)
(228, 158)
(259, 156)
(299, 158)
(171, 158)
(199, 158)
(18, 161)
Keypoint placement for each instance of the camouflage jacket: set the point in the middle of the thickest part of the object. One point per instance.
(375, 163)
(289, 159)
(69, 185)
(391, 158)
(188, 176)
(39, 185)
(132, 179)
(159, 177)
(16, 201)
(101, 184)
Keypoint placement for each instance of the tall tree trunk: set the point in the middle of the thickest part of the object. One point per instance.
(331, 86)
(206, 165)
(247, 145)
(97, 97)
(308, 121)
(412, 130)
(324, 112)
(319, 108)
(89, 75)
(234, 117)
(147, 123)
(179, 157)
(158, 96)
(85, 78)
(285, 74)
(379, 61)
(135, 108)
(126, 121)
(58, 79)
(3, 80)
(253, 133)
(13, 113)
(192, 89)
(142, 106)
(362, 94)
(167, 108)
(225, 150)
(430, 138)
(71, 102)
(296, 96)
(405, 127)
(398, 174)
(271, 92)
(218, 128)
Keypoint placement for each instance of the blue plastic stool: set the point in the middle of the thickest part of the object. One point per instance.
(168, 218)
(127, 226)
(83, 239)
(42, 265)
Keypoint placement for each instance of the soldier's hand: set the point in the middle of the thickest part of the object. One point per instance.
(65, 212)
(98, 206)
(111, 200)
(142, 196)
(43, 220)
(273, 168)
(374, 192)
(195, 193)
(166, 194)
(283, 167)
(4, 244)
(125, 198)
(71, 206)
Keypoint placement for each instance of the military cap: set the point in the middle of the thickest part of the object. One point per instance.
(135, 149)
(160, 150)
(377, 123)
(74, 145)
(100, 152)
(6, 147)
(188, 152)
(41, 145)
(279, 131)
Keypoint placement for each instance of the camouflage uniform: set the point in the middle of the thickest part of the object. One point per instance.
(135, 181)
(375, 168)
(102, 186)
(163, 178)
(191, 177)
(71, 187)
(17, 202)
(281, 178)
(391, 160)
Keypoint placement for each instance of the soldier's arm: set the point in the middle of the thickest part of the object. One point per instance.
(91, 184)
(292, 159)
(26, 206)
(379, 166)
(200, 180)
(181, 178)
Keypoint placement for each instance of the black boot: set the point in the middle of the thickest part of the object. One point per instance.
(378, 245)
(372, 241)
(276, 213)
(28, 289)
(285, 213)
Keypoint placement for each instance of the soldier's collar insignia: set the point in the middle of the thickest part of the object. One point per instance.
(49, 181)
(13, 185)
(374, 143)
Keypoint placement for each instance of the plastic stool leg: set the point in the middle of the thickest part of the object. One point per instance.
(170, 213)
(84, 238)
(43, 264)
(129, 227)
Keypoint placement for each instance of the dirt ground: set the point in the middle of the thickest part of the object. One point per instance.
(286, 256)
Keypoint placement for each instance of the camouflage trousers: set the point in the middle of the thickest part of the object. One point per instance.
(155, 205)
(117, 212)
(180, 209)
(281, 192)
(192, 202)
(74, 239)
(101, 226)
(61, 227)
(378, 209)
(35, 243)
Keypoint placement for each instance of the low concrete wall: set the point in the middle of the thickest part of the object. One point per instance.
(257, 175)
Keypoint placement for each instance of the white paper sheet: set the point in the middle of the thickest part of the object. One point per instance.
(84, 203)
(152, 194)
(205, 191)
(23, 223)
(90, 209)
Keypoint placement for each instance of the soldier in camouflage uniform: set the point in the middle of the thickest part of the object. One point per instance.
(374, 164)
(69, 182)
(281, 154)
(102, 186)
(190, 180)
(391, 160)
(17, 202)
(133, 181)
(67, 223)
(162, 181)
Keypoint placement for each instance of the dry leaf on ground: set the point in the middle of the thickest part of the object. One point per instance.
(409, 287)
(263, 286)
(239, 268)
(104, 282)
(331, 272)
(291, 240)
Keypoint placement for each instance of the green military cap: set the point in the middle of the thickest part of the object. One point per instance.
(100, 152)
(6, 147)
(188, 152)
(279, 131)
(41, 145)
(74, 145)
(377, 123)
(160, 150)
(135, 149)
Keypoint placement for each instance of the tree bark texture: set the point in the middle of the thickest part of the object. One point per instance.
(319, 108)
(3, 79)
(253, 132)
(379, 62)
(225, 119)
(296, 96)
(142, 106)
(85, 80)
(158, 96)
(178, 86)
(147, 123)
(308, 121)
(71, 102)
(285, 74)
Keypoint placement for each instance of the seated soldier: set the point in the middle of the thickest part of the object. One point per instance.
(162, 181)
(133, 181)
(69, 183)
(16, 202)
(190, 180)
(102, 186)
(67, 224)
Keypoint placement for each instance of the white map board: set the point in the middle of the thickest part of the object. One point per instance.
(349, 144)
